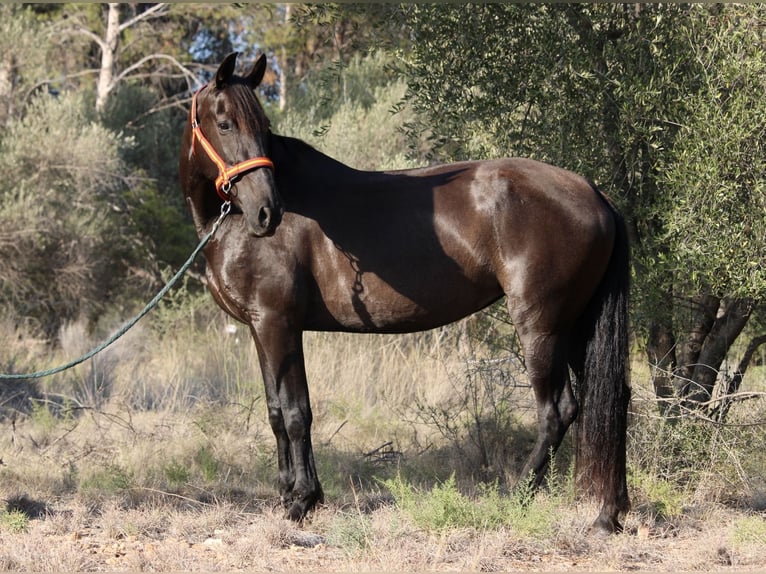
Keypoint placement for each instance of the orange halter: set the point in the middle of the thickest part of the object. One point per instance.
(225, 173)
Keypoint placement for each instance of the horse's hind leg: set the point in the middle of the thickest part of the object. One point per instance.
(545, 357)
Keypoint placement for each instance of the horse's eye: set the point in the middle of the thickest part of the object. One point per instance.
(224, 126)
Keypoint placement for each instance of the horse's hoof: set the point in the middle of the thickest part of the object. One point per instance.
(296, 511)
(605, 527)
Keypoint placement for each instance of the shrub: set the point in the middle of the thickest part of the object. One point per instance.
(14, 521)
(110, 479)
(674, 461)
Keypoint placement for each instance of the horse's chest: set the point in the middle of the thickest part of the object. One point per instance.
(228, 296)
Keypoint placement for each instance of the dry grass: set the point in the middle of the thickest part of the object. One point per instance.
(159, 457)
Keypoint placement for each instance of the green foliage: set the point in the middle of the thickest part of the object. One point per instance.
(360, 125)
(14, 521)
(207, 463)
(109, 479)
(60, 179)
(322, 38)
(42, 416)
(444, 507)
(180, 471)
(153, 202)
(458, 67)
(176, 473)
(659, 497)
(23, 62)
(716, 178)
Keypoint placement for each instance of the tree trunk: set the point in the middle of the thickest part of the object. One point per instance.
(108, 47)
(661, 354)
(732, 318)
(283, 64)
(8, 70)
(704, 310)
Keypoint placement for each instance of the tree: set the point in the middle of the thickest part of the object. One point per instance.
(141, 62)
(311, 44)
(614, 91)
(22, 51)
(716, 201)
(124, 43)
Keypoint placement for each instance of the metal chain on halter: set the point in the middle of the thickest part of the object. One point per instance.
(225, 208)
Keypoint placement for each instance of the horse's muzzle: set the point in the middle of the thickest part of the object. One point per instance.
(265, 222)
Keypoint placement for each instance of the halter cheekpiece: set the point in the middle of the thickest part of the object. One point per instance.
(225, 173)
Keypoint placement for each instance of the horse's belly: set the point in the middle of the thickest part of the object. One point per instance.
(373, 305)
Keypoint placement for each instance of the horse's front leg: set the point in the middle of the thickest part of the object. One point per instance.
(280, 350)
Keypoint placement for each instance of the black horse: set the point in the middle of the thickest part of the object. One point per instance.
(312, 244)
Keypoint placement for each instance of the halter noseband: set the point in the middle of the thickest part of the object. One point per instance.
(225, 173)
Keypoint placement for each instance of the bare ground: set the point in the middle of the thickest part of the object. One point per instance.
(165, 533)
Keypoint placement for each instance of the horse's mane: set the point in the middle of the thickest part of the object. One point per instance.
(300, 151)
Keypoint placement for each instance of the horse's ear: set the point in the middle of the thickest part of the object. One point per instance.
(225, 70)
(255, 76)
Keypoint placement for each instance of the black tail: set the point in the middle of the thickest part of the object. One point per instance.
(603, 390)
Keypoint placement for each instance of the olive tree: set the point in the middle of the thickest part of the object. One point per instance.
(662, 105)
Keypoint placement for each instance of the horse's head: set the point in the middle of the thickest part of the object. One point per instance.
(229, 144)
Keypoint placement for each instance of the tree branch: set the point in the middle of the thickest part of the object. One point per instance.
(739, 373)
(674, 405)
(78, 29)
(156, 11)
(127, 71)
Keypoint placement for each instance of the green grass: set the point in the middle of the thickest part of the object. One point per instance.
(176, 473)
(207, 463)
(749, 530)
(444, 507)
(349, 531)
(661, 498)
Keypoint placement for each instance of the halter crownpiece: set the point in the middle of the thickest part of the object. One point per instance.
(225, 173)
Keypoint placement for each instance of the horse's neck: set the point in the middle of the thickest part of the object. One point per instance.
(307, 162)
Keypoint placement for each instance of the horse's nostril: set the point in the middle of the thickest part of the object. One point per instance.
(264, 217)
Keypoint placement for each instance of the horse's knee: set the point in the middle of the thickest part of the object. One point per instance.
(276, 420)
(297, 423)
